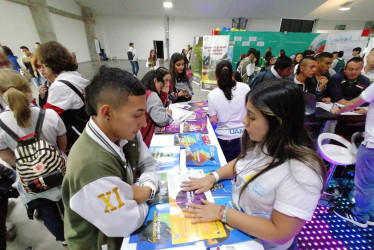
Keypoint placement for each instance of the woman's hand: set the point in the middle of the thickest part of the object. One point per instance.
(326, 100)
(42, 91)
(361, 111)
(183, 93)
(199, 184)
(203, 213)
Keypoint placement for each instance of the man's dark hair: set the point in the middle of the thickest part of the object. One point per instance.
(7, 51)
(354, 59)
(111, 86)
(358, 49)
(324, 55)
(131, 44)
(335, 52)
(283, 62)
(308, 52)
(24, 47)
(341, 53)
(303, 62)
(251, 51)
(37, 43)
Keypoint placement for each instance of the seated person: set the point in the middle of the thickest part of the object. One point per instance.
(103, 56)
(156, 114)
(305, 79)
(277, 178)
(104, 193)
(281, 69)
(349, 83)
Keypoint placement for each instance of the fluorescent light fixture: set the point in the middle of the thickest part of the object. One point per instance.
(344, 8)
(168, 4)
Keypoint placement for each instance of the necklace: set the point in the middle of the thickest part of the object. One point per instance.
(247, 165)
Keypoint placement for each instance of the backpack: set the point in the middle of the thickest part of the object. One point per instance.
(257, 79)
(130, 55)
(75, 120)
(40, 166)
(340, 65)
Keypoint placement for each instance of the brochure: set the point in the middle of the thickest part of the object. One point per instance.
(156, 230)
(198, 104)
(183, 86)
(179, 114)
(172, 128)
(220, 188)
(162, 195)
(202, 155)
(167, 157)
(198, 116)
(182, 229)
(195, 126)
(186, 139)
(233, 235)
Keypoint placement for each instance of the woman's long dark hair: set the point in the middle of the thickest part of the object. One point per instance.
(224, 78)
(175, 58)
(148, 80)
(282, 104)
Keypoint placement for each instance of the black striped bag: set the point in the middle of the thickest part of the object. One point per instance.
(39, 165)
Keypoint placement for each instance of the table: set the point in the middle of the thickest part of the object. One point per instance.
(168, 140)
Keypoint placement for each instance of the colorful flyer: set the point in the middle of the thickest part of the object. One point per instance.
(202, 155)
(182, 229)
(172, 128)
(167, 157)
(198, 104)
(186, 139)
(162, 195)
(200, 115)
(156, 230)
(195, 126)
(232, 235)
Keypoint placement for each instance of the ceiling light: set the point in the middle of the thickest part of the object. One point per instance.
(168, 4)
(344, 8)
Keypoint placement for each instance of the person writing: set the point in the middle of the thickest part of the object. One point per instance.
(278, 177)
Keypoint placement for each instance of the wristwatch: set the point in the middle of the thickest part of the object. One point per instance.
(153, 190)
(215, 174)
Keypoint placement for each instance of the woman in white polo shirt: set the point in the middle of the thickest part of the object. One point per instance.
(278, 177)
(226, 109)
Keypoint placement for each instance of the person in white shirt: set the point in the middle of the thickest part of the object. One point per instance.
(225, 108)
(21, 117)
(278, 177)
(368, 70)
(134, 60)
(362, 214)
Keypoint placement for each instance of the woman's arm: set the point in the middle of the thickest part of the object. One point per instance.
(62, 142)
(157, 111)
(204, 184)
(213, 119)
(7, 155)
(279, 229)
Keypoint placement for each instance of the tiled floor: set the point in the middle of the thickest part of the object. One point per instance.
(325, 231)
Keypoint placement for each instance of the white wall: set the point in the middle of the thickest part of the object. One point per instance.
(115, 34)
(71, 33)
(17, 27)
(330, 25)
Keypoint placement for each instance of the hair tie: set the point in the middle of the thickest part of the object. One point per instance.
(224, 68)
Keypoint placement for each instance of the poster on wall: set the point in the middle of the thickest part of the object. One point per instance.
(215, 49)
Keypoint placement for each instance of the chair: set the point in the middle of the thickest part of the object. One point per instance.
(336, 154)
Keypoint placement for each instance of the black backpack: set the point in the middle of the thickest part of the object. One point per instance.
(130, 55)
(75, 120)
(258, 78)
(40, 166)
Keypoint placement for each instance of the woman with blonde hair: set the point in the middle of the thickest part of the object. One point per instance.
(21, 116)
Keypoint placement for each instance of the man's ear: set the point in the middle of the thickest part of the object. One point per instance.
(106, 111)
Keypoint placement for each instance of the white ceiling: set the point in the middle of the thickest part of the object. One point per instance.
(362, 10)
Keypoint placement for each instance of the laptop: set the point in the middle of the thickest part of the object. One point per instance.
(310, 103)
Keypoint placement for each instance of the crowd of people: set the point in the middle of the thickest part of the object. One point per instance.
(103, 129)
